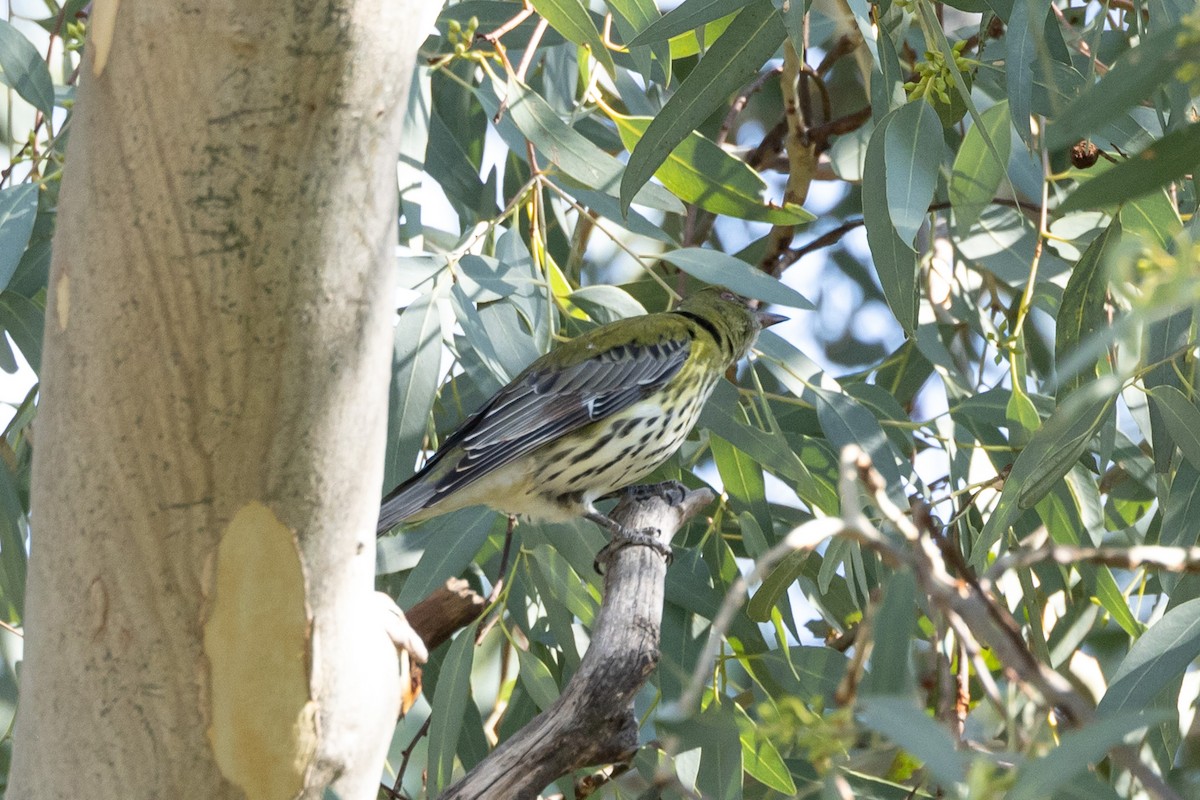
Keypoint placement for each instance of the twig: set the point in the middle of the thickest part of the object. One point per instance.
(844, 46)
(405, 756)
(834, 236)
(802, 156)
(1161, 557)
(820, 134)
(534, 41)
(740, 101)
(495, 36)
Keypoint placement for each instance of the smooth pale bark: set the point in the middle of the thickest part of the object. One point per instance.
(200, 620)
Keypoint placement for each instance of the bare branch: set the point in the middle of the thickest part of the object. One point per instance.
(592, 721)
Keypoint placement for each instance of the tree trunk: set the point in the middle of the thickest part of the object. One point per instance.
(200, 620)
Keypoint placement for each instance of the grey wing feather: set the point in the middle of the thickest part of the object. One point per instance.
(543, 407)
(535, 409)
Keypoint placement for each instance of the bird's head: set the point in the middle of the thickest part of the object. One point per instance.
(734, 316)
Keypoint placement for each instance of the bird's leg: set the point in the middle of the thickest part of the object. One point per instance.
(624, 537)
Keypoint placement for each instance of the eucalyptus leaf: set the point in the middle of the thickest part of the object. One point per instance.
(913, 147)
(1082, 311)
(1049, 455)
(23, 68)
(1078, 750)
(729, 64)
(895, 261)
(450, 699)
(688, 16)
(715, 267)
(1182, 419)
(18, 211)
(899, 719)
(1161, 654)
(976, 174)
(699, 172)
(572, 20)
(415, 377)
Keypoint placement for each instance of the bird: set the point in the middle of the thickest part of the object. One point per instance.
(594, 415)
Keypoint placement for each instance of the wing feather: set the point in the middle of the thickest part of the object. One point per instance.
(546, 404)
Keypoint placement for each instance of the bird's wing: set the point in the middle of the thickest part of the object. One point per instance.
(547, 403)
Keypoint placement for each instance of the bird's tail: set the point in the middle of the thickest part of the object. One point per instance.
(405, 501)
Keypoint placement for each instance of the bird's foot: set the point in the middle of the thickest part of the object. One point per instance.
(623, 537)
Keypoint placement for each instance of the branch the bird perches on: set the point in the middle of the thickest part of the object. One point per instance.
(592, 722)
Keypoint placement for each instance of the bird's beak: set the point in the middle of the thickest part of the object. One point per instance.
(766, 319)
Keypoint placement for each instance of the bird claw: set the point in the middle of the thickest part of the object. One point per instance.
(624, 537)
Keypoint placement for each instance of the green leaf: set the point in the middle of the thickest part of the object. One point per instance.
(1163, 339)
(572, 20)
(733, 60)
(977, 174)
(24, 70)
(743, 480)
(1081, 312)
(483, 340)
(1025, 23)
(460, 536)
(715, 267)
(23, 320)
(1039, 778)
(912, 146)
(846, 422)
(1051, 452)
(562, 584)
(1109, 595)
(604, 303)
(1022, 416)
(537, 680)
(895, 261)
(909, 727)
(716, 732)
(891, 667)
(13, 559)
(723, 416)
(632, 17)
(451, 166)
(1133, 77)
(417, 359)
(567, 148)
(449, 706)
(1171, 157)
(1182, 419)
(18, 211)
(698, 171)
(687, 17)
(1160, 656)
(1152, 217)
(760, 758)
(775, 586)
(1181, 517)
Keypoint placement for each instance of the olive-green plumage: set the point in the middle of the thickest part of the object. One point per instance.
(595, 414)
